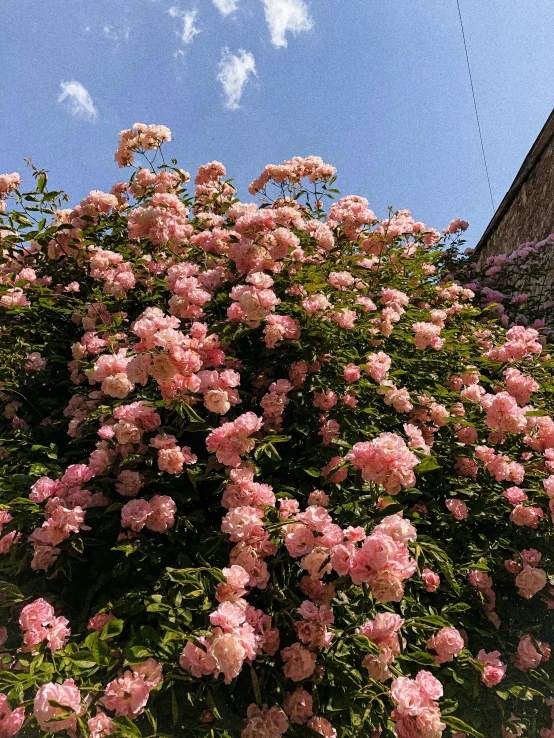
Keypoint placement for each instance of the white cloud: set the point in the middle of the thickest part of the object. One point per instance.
(78, 100)
(234, 72)
(286, 15)
(116, 35)
(187, 18)
(226, 7)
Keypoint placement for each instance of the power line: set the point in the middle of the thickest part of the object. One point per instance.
(475, 106)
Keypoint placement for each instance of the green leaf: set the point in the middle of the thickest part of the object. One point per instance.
(429, 463)
(312, 472)
(457, 724)
(256, 686)
(111, 629)
(418, 657)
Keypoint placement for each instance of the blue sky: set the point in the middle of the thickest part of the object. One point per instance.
(379, 88)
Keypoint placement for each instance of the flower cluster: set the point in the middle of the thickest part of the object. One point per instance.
(262, 462)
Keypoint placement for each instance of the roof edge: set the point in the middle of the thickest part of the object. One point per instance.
(529, 163)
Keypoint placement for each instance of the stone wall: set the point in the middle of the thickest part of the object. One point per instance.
(530, 216)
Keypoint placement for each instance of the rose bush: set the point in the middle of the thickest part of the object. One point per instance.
(264, 469)
(515, 288)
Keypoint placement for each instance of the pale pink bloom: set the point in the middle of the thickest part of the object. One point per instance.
(35, 362)
(101, 726)
(172, 460)
(162, 515)
(299, 539)
(68, 696)
(129, 483)
(378, 366)
(58, 634)
(299, 662)
(385, 460)
(265, 723)
(8, 183)
(98, 621)
(228, 616)
(197, 661)
(397, 528)
(456, 225)
(530, 580)
(351, 373)
(529, 655)
(457, 508)
(431, 579)
(446, 644)
(494, 670)
(230, 650)
(44, 488)
(11, 721)
(135, 514)
(127, 695)
(318, 498)
(150, 670)
(322, 726)
(344, 318)
(298, 706)
(427, 334)
(36, 615)
(526, 516)
(514, 495)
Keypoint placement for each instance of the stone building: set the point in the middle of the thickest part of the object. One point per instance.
(527, 211)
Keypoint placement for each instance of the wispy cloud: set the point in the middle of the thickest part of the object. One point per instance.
(187, 18)
(234, 72)
(78, 100)
(116, 35)
(286, 15)
(226, 7)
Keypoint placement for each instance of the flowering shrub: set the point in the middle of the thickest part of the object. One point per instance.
(516, 288)
(263, 470)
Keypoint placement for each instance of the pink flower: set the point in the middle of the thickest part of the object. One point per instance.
(322, 726)
(68, 696)
(243, 523)
(526, 516)
(529, 655)
(231, 440)
(299, 540)
(162, 514)
(58, 634)
(298, 706)
(530, 580)
(299, 662)
(457, 508)
(446, 644)
(431, 579)
(197, 661)
(385, 460)
(135, 514)
(126, 695)
(129, 483)
(101, 726)
(351, 373)
(514, 495)
(98, 621)
(11, 721)
(265, 723)
(230, 650)
(36, 615)
(150, 670)
(494, 670)
(171, 460)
